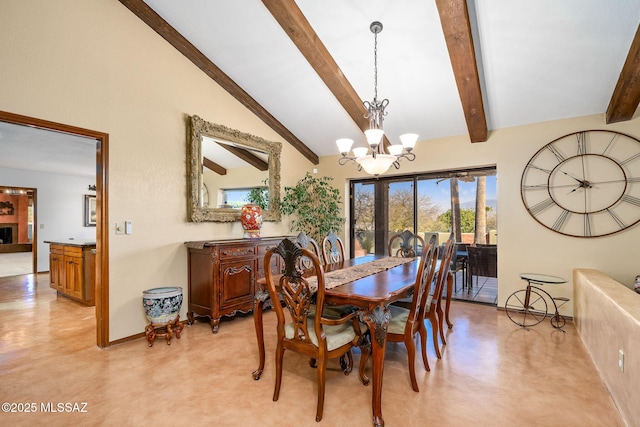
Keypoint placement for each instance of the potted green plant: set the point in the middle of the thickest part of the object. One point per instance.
(315, 206)
(259, 195)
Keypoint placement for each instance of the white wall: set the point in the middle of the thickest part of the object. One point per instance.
(60, 206)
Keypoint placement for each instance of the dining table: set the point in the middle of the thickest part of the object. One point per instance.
(372, 294)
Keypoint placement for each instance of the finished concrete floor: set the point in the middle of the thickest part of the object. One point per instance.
(492, 373)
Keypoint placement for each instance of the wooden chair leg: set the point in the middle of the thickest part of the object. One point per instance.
(411, 354)
(322, 369)
(365, 351)
(440, 315)
(435, 331)
(279, 357)
(448, 305)
(347, 365)
(423, 344)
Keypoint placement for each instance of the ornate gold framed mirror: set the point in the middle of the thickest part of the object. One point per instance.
(222, 160)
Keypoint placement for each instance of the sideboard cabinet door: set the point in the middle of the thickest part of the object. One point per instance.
(237, 284)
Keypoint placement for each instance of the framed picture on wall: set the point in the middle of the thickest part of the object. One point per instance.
(90, 211)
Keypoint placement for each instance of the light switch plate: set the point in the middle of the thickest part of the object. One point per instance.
(119, 228)
(127, 227)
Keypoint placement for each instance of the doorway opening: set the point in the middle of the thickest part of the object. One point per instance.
(102, 238)
(18, 254)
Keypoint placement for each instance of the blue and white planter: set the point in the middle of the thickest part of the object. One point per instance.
(162, 305)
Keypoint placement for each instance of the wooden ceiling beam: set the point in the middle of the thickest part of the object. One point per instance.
(213, 166)
(454, 18)
(295, 24)
(166, 31)
(626, 96)
(247, 156)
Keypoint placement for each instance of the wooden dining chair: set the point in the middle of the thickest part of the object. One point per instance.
(406, 302)
(332, 248)
(331, 311)
(410, 245)
(406, 323)
(434, 312)
(315, 336)
(307, 242)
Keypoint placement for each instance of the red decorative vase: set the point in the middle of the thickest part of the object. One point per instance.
(251, 219)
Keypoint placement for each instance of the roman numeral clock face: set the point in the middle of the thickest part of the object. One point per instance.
(585, 184)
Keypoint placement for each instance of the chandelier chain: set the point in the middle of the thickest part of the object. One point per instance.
(375, 67)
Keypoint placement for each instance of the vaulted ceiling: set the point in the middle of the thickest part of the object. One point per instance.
(448, 67)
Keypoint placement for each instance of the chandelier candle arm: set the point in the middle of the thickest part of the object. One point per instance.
(373, 159)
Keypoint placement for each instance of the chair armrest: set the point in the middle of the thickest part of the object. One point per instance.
(338, 320)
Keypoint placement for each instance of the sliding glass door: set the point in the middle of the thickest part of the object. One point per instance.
(462, 202)
(363, 219)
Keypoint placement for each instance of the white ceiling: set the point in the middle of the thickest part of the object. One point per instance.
(30, 148)
(538, 60)
(211, 149)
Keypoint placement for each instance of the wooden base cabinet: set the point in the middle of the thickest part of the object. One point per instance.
(223, 275)
(72, 271)
(56, 268)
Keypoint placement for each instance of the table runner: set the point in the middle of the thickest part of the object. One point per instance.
(336, 278)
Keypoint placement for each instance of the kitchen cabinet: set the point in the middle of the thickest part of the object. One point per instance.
(72, 270)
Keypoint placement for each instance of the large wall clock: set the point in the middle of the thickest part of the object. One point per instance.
(585, 184)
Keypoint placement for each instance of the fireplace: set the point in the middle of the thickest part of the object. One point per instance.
(8, 233)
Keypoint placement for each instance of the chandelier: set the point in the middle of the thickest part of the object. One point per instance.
(374, 159)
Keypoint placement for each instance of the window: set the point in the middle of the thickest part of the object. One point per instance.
(438, 203)
(238, 197)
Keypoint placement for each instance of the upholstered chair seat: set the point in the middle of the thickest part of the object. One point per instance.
(337, 335)
(399, 317)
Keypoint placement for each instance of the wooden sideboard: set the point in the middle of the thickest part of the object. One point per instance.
(223, 275)
(72, 270)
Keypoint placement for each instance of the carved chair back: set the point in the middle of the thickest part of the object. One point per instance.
(424, 283)
(307, 242)
(332, 248)
(411, 245)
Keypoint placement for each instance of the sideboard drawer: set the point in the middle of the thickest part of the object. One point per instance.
(237, 251)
